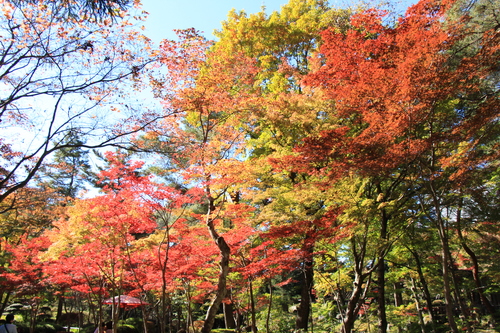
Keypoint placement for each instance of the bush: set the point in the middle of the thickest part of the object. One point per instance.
(125, 328)
(134, 321)
(47, 328)
(88, 329)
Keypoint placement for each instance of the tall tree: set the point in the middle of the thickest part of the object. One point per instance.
(91, 246)
(282, 43)
(391, 120)
(206, 137)
(79, 69)
(69, 170)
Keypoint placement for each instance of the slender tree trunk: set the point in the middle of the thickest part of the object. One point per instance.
(477, 279)
(189, 317)
(163, 303)
(445, 259)
(252, 305)
(358, 293)
(4, 297)
(443, 237)
(304, 309)
(425, 288)
(381, 311)
(351, 314)
(458, 297)
(144, 321)
(417, 304)
(60, 304)
(225, 251)
(398, 296)
(475, 266)
(445, 262)
(268, 316)
(354, 303)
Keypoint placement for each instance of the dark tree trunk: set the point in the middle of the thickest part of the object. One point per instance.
(382, 315)
(445, 257)
(252, 306)
(228, 309)
(60, 304)
(417, 304)
(225, 251)
(354, 303)
(475, 267)
(425, 287)
(359, 292)
(304, 309)
(268, 316)
(398, 296)
(464, 310)
(4, 297)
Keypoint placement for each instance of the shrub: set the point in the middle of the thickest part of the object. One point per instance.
(125, 328)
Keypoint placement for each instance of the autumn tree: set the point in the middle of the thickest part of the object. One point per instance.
(204, 140)
(24, 215)
(391, 121)
(282, 42)
(24, 274)
(90, 246)
(63, 78)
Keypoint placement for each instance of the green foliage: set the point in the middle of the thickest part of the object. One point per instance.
(134, 321)
(41, 327)
(70, 169)
(281, 317)
(87, 329)
(404, 317)
(127, 328)
(325, 316)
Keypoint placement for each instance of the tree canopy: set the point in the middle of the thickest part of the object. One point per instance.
(313, 169)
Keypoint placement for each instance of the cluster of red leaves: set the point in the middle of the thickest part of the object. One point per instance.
(389, 84)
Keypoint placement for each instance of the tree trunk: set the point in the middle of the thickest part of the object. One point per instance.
(225, 251)
(475, 267)
(382, 315)
(268, 316)
(4, 297)
(60, 304)
(228, 313)
(445, 261)
(304, 309)
(189, 317)
(398, 296)
(417, 305)
(358, 293)
(252, 305)
(354, 303)
(459, 299)
(425, 288)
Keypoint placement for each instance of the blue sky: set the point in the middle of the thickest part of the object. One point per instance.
(207, 15)
(204, 15)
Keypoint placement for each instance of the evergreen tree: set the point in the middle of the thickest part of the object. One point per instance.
(70, 169)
